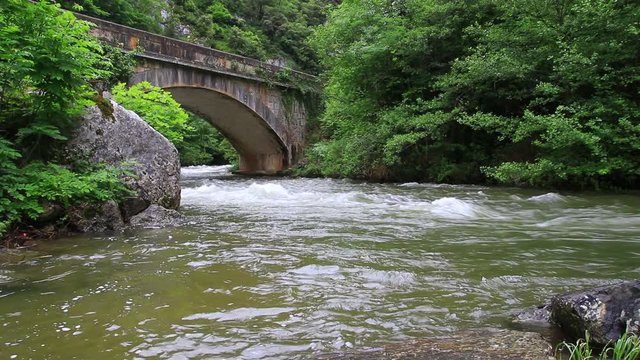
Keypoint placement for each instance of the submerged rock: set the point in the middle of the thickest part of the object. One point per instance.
(483, 344)
(606, 312)
(539, 316)
(157, 217)
(121, 138)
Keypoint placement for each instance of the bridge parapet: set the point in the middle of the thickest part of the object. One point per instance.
(158, 47)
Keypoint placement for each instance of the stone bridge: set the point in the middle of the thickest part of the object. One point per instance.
(259, 107)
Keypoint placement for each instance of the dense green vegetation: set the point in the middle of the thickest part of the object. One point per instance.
(196, 140)
(47, 60)
(527, 92)
(205, 145)
(140, 14)
(274, 30)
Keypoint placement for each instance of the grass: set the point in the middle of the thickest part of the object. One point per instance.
(625, 348)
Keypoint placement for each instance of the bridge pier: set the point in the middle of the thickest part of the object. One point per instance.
(262, 164)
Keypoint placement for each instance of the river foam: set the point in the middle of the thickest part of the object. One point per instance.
(286, 195)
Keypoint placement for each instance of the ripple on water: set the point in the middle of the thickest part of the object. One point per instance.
(240, 314)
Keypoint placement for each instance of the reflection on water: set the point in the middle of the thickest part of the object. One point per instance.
(284, 268)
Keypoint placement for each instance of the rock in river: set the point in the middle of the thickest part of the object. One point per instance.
(120, 137)
(157, 217)
(605, 312)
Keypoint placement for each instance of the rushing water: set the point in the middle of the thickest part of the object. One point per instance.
(285, 268)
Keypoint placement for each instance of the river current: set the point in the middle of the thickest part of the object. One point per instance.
(286, 268)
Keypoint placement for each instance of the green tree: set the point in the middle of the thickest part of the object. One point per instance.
(529, 92)
(205, 145)
(560, 80)
(141, 14)
(47, 60)
(157, 107)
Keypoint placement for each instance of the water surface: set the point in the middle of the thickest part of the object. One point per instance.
(285, 268)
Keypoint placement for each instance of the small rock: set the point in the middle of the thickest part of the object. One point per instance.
(539, 316)
(51, 212)
(157, 217)
(133, 205)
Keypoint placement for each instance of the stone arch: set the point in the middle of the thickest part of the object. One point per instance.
(240, 109)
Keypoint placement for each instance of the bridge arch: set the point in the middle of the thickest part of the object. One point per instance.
(241, 110)
(267, 102)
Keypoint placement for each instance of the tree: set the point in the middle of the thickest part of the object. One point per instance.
(47, 60)
(531, 92)
(157, 107)
(141, 14)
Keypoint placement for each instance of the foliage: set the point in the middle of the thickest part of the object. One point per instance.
(141, 14)
(157, 107)
(118, 64)
(627, 347)
(23, 190)
(47, 60)
(265, 29)
(531, 92)
(205, 145)
(196, 140)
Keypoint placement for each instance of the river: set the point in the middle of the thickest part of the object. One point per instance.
(285, 268)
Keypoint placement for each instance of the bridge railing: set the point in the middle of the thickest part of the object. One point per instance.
(158, 47)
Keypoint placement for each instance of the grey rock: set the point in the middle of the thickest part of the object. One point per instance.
(539, 316)
(605, 312)
(482, 344)
(157, 217)
(95, 218)
(122, 138)
(132, 205)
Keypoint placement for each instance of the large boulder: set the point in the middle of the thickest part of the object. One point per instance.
(605, 312)
(114, 135)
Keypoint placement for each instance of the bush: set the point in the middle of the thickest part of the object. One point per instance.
(47, 60)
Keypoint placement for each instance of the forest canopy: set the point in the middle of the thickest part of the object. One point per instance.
(526, 92)
(270, 30)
